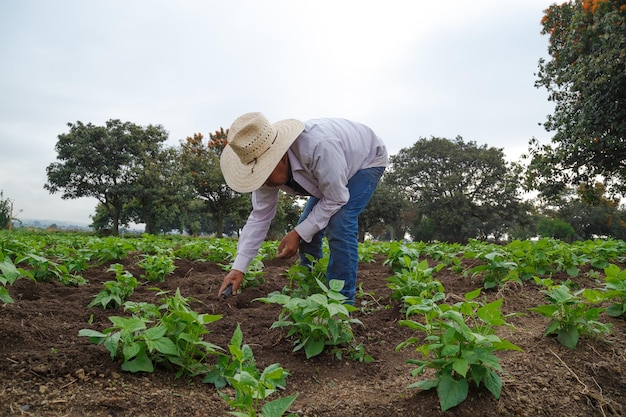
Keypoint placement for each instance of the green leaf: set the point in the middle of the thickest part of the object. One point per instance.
(247, 378)
(472, 294)
(504, 344)
(237, 338)
(112, 342)
(130, 324)
(545, 310)
(273, 372)
(491, 313)
(616, 310)
(336, 285)
(154, 333)
(425, 385)
(5, 297)
(460, 366)
(314, 348)
(92, 334)
(568, 337)
(164, 345)
(131, 350)
(9, 271)
(140, 364)
(493, 383)
(451, 392)
(278, 407)
(450, 350)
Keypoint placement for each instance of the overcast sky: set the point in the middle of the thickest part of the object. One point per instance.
(409, 69)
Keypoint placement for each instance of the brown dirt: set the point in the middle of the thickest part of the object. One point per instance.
(47, 370)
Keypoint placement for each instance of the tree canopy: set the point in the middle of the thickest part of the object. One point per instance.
(104, 162)
(200, 161)
(459, 190)
(586, 79)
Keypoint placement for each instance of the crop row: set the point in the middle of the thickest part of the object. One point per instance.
(458, 341)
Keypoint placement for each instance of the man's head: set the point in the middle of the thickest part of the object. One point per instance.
(255, 148)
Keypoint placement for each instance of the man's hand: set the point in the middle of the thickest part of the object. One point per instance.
(288, 246)
(234, 278)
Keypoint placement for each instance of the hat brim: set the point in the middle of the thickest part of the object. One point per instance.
(245, 178)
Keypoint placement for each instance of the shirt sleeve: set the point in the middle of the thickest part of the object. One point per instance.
(264, 202)
(329, 167)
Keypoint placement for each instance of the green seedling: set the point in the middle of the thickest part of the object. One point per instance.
(44, 270)
(251, 387)
(571, 315)
(9, 273)
(157, 267)
(415, 279)
(615, 291)
(115, 292)
(319, 320)
(459, 346)
(170, 334)
(497, 269)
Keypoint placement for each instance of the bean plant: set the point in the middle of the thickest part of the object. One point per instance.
(157, 267)
(496, 270)
(571, 314)
(615, 291)
(303, 279)
(414, 279)
(9, 273)
(115, 292)
(170, 334)
(45, 270)
(251, 387)
(319, 320)
(459, 346)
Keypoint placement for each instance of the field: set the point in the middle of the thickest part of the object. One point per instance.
(47, 369)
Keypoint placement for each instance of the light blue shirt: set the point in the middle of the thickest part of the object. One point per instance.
(323, 158)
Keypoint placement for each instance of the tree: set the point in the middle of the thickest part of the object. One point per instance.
(458, 189)
(161, 193)
(201, 163)
(556, 228)
(104, 162)
(590, 212)
(586, 79)
(386, 213)
(5, 212)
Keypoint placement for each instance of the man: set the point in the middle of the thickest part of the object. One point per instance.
(336, 162)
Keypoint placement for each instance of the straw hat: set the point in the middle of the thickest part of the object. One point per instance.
(254, 149)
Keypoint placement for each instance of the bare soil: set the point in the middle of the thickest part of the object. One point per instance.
(46, 369)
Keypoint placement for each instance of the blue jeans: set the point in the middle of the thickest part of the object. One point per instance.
(342, 232)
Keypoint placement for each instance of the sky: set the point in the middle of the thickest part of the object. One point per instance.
(410, 69)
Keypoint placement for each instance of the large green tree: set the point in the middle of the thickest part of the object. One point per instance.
(590, 212)
(162, 193)
(586, 79)
(459, 190)
(200, 160)
(104, 162)
(387, 214)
